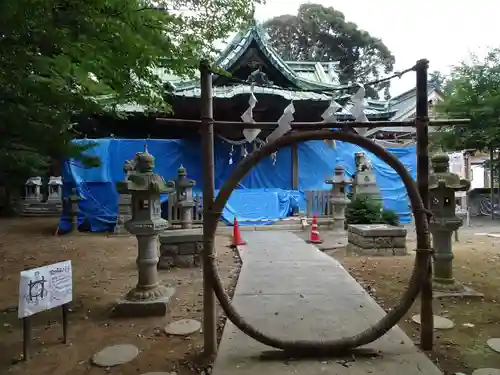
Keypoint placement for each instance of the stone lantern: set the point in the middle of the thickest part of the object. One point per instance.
(72, 201)
(149, 297)
(442, 188)
(339, 200)
(184, 201)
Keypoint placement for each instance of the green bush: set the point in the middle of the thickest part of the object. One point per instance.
(363, 210)
(389, 217)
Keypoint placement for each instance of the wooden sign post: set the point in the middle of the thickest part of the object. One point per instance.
(42, 289)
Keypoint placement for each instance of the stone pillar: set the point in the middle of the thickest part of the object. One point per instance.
(339, 200)
(184, 201)
(149, 297)
(442, 188)
(147, 261)
(364, 184)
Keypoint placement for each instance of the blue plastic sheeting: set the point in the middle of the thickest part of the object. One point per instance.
(262, 206)
(96, 186)
(316, 159)
(265, 194)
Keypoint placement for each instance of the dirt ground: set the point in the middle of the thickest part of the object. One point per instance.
(476, 263)
(103, 270)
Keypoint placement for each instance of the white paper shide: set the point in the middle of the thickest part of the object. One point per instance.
(44, 288)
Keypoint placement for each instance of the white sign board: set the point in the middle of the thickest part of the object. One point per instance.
(44, 288)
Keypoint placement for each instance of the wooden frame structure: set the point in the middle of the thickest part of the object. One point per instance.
(206, 127)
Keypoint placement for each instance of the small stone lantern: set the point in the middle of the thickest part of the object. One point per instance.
(184, 201)
(442, 188)
(72, 201)
(148, 297)
(339, 200)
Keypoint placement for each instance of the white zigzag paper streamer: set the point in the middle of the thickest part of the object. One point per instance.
(247, 116)
(359, 106)
(330, 116)
(283, 123)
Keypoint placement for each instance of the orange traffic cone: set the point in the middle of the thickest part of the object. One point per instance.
(314, 237)
(237, 240)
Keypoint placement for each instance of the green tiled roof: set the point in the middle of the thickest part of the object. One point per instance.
(305, 75)
(239, 45)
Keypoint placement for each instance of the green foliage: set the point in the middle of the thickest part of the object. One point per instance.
(362, 210)
(389, 217)
(319, 33)
(61, 58)
(472, 91)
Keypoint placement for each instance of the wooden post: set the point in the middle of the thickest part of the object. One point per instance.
(207, 141)
(492, 184)
(422, 124)
(295, 166)
(26, 337)
(65, 311)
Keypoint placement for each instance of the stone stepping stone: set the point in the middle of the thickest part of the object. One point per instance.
(486, 371)
(115, 355)
(494, 344)
(183, 327)
(439, 322)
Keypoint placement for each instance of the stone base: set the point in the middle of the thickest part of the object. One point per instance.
(41, 209)
(376, 240)
(381, 251)
(180, 248)
(136, 309)
(454, 290)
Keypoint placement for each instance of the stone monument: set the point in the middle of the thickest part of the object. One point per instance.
(124, 213)
(55, 190)
(442, 187)
(32, 188)
(339, 200)
(183, 197)
(33, 204)
(149, 297)
(364, 184)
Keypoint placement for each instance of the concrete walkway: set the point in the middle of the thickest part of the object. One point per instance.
(291, 290)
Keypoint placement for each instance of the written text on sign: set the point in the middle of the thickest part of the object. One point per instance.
(44, 288)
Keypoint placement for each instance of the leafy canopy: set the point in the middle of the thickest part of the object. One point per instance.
(319, 33)
(62, 58)
(472, 91)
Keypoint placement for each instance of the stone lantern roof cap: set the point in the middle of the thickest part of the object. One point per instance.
(442, 177)
(182, 171)
(145, 162)
(440, 158)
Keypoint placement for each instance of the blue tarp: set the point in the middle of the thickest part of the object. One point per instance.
(265, 194)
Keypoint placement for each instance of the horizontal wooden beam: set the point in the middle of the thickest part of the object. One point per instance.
(221, 125)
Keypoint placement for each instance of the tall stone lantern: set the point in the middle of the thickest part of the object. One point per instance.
(339, 200)
(184, 197)
(442, 188)
(149, 297)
